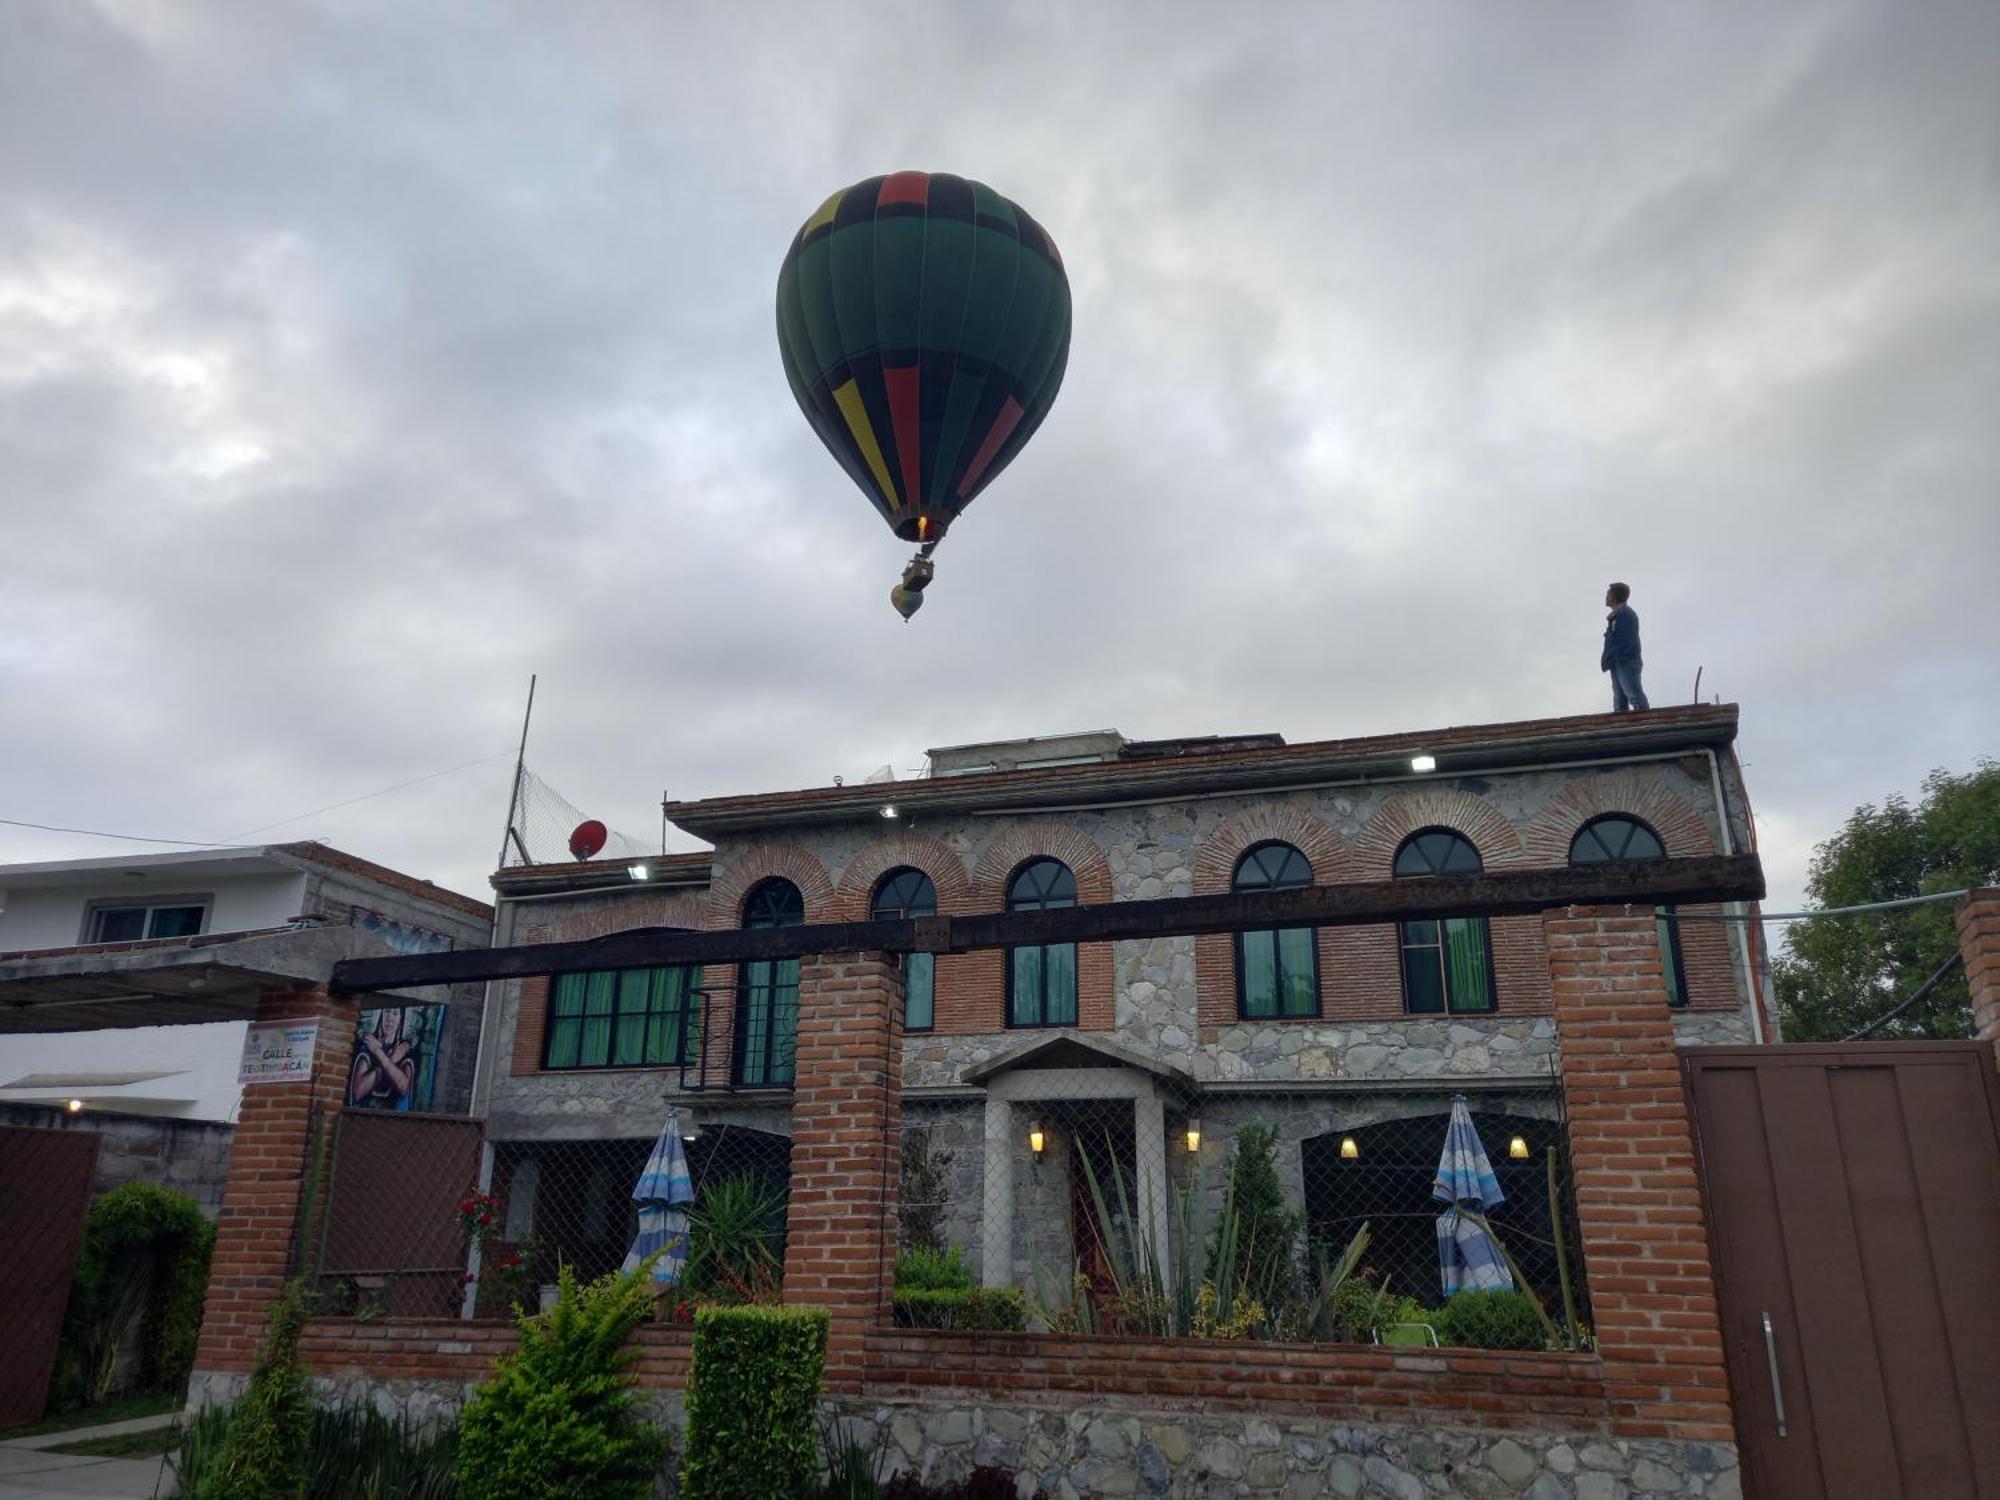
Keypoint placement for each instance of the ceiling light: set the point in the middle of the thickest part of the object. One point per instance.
(1423, 762)
(1518, 1149)
(1348, 1150)
(640, 871)
(76, 1106)
(889, 810)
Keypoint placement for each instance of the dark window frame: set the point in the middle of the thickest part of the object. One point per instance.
(687, 1014)
(919, 969)
(762, 985)
(1236, 883)
(1015, 902)
(1404, 947)
(1666, 919)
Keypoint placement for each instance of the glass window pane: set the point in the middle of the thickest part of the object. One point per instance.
(124, 924)
(567, 999)
(1420, 933)
(1059, 984)
(1471, 985)
(1670, 956)
(175, 921)
(918, 971)
(1423, 978)
(594, 1050)
(562, 1043)
(629, 1038)
(1025, 1008)
(1297, 964)
(1259, 957)
(785, 1021)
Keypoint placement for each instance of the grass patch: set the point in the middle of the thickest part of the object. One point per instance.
(148, 1444)
(151, 1404)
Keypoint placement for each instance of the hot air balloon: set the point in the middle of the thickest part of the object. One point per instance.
(924, 324)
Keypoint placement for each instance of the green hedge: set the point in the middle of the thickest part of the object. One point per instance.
(144, 1259)
(932, 1271)
(752, 1402)
(965, 1309)
(1491, 1320)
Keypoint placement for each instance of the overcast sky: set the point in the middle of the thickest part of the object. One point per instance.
(357, 361)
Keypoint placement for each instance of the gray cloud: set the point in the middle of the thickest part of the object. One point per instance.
(356, 361)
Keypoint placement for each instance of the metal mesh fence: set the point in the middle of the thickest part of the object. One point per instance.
(542, 820)
(1295, 1217)
(426, 1218)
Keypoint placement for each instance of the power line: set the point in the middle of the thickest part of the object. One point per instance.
(1922, 990)
(1806, 916)
(93, 833)
(365, 796)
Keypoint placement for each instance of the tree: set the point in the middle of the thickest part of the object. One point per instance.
(1840, 973)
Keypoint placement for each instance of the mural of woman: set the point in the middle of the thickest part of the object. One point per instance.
(386, 1063)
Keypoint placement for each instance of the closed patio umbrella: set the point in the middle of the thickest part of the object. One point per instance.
(662, 1193)
(1468, 1259)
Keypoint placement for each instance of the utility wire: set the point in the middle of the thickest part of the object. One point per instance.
(1922, 990)
(1806, 916)
(234, 839)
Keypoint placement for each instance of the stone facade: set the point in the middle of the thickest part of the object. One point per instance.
(190, 1156)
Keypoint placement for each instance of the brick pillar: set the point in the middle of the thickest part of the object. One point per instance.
(1645, 1242)
(267, 1167)
(1979, 942)
(847, 1118)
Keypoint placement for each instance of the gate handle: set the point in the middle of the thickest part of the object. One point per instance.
(1777, 1389)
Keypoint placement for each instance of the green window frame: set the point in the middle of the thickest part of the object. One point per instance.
(1447, 963)
(767, 995)
(1277, 970)
(1616, 838)
(902, 893)
(1041, 978)
(623, 1018)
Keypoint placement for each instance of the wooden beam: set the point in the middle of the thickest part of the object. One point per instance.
(1659, 882)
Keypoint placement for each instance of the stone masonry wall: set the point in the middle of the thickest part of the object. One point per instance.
(190, 1156)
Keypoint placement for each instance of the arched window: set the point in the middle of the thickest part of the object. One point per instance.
(909, 893)
(1277, 972)
(1613, 839)
(767, 993)
(1041, 979)
(1447, 964)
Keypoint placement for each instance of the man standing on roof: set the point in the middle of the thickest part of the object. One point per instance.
(1621, 651)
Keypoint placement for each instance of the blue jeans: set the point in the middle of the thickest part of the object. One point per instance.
(1625, 690)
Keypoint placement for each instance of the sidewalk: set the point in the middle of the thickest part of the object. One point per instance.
(29, 1474)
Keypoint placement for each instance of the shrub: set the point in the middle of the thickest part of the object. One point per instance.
(752, 1402)
(268, 1434)
(962, 1309)
(1260, 1238)
(354, 1453)
(736, 1240)
(986, 1482)
(558, 1417)
(144, 1261)
(932, 1271)
(1491, 1320)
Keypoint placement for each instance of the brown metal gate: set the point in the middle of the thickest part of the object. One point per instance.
(393, 1235)
(45, 1178)
(1854, 1199)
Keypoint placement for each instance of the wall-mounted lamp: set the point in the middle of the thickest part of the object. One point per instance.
(1348, 1150)
(889, 810)
(639, 871)
(1036, 1139)
(1518, 1149)
(75, 1106)
(1423, 762)
(1194, 1134)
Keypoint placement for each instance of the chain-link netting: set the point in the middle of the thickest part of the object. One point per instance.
(427, 1218)
(1110, 1206)
(542, 820)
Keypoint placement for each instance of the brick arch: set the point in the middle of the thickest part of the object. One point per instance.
(861, 874)
(761, 862)
(1636, 794)
(1372, 856)
(1026, 841)
(983, 974)
(1215, 862)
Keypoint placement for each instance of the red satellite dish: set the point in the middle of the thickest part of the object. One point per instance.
(587, 838)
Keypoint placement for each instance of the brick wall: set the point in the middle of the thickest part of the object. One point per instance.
(267, 1168)
(1979, 942)
(1638, 1203)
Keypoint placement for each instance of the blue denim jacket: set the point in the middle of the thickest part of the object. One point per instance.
(1621, 639)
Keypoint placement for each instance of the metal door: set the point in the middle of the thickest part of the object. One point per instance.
(45, 1178)
(1854, 1199)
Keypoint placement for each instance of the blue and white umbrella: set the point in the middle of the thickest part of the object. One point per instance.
(1468, 1259)
(662, 1193)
